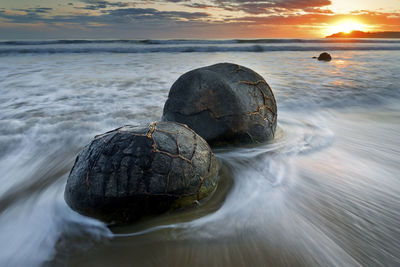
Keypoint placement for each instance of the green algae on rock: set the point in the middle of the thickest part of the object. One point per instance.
(135, 171)
(224, 103)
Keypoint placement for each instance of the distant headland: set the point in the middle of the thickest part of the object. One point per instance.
(361, 34)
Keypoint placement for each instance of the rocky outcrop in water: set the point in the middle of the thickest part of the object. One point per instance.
(325, 57)
(131, 171)
(224, 103)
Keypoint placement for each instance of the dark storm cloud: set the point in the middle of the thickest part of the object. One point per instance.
(30, 17)
(109, 17)
(36, 10)
(317, 10)
(288, 4)
(263, 7)
(154, 13)
(98, 4)
(307, 3)
(176, 1)
(197, 5)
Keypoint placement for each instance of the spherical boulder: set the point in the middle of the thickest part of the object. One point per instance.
(135, 171)
(224, 103)
(325, 57)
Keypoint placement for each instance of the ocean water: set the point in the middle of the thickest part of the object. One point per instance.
(324, 192)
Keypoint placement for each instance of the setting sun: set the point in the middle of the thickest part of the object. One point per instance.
(347, 26)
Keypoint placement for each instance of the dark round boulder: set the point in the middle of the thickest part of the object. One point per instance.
(224, 103)
(134, 171)
(325, 57)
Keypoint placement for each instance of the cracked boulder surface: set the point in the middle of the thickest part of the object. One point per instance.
(135, 171)
(224, 103)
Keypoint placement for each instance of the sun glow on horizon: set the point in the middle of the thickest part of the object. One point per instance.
(346, 26)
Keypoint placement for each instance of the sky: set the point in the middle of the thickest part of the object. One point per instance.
(213, 19)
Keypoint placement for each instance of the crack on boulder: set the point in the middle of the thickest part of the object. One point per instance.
(194, 145)
(106, 133)
(253, 83)
(238, 68)
(172, 155)
(212, 114)
(151, 130)
(265, 105)
(199, 189)
(250, 136)
(99, 155)
(210, 161)
(179, 155)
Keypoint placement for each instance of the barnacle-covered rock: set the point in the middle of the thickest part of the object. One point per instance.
(134, 171)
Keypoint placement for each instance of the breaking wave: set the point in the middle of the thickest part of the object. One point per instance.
(191, 49)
